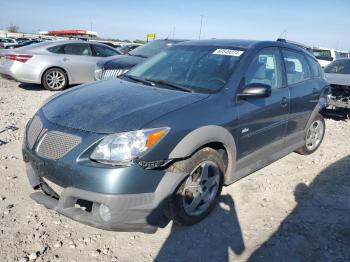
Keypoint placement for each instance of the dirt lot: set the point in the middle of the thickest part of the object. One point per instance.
(297, 209)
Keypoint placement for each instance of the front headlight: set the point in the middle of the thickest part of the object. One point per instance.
(123, 147)
(98, 73)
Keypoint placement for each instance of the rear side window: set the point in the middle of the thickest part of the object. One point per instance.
(77, 49)
(338, 67)
(265, 69)
(103, 51)
(58, 49)
(315, 68)
(297, 68)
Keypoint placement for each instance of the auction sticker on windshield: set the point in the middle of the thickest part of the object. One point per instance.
(228, 52)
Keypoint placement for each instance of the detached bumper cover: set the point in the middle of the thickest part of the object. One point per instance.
(128, 212)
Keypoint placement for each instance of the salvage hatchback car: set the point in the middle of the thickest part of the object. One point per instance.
(160, 142)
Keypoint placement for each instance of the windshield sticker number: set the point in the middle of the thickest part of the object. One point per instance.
(228, 52)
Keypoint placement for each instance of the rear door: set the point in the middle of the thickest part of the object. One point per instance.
(79, 62)
(304, 91)
(263, 121)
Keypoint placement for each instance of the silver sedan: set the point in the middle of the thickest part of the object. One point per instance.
(54, 64)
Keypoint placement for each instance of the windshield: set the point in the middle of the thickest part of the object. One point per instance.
(150, 49)
(199, 68)
(323, 54)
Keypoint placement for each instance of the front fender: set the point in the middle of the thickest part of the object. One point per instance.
(203, 136)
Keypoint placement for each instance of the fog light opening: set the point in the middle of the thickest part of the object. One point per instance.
(105, 212)
(84, 205)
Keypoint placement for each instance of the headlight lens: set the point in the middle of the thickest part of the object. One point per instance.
(123, 147)
(98, 73)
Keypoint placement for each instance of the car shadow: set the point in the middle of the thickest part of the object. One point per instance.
(318, 229)
(31, 87)
(210, 240)
(38, 87)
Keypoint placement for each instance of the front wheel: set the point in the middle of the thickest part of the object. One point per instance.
(55, 79)
(198, 194)
(314, 136)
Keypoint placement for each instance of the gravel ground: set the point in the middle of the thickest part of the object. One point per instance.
(296, 209)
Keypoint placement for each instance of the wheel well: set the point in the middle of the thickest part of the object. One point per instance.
(217, 146)
(221, 149)
(53, 68)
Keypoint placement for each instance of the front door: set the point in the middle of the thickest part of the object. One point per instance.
(263, 121)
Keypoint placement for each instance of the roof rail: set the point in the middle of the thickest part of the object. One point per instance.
(282, 40)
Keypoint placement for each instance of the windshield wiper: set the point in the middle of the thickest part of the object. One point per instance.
(173, 85)
(139, 79)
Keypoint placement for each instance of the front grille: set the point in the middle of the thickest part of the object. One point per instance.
(55, 144)
(111, 73)
(34, 130)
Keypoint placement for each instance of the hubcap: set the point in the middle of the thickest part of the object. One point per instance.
(314, 135)
(55, 80)
(201, 188)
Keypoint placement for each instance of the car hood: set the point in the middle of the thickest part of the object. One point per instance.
(338, 79)
(114, 106)
(122, 62)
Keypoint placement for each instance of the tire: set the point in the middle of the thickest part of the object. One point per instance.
(186, 207)
(54, 79)
(312, 137)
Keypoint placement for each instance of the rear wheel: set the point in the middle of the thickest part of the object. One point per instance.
(55, 79)
(314, 136)
(198, 193)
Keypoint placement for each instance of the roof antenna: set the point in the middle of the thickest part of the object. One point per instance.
(284, 32)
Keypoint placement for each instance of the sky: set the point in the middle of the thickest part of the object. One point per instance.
(318, 23)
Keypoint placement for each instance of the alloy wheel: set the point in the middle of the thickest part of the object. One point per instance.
(201, 188)
(314, 135)
(56, 80)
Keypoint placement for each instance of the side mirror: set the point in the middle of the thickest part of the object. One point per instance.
(255, 90)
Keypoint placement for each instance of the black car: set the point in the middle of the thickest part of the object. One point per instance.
(117, 65)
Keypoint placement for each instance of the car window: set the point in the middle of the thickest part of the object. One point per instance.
(323, 54)
(297, 68)
(77, 49)
(314, 66)
(201, 68)
(150, 49)
(103, 51)
(265, 69)
(58, 49)
(338, 67)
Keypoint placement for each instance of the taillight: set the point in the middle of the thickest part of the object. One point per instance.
(19, 58)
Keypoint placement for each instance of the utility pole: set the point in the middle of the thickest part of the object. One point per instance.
(174, 32)
(200, 28)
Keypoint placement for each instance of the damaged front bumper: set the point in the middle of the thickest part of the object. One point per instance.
(143, 212)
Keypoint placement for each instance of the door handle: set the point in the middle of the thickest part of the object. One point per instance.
(284, 101)
(314, 90)
(65, 59)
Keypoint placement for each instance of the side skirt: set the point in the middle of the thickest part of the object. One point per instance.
(266, 156)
